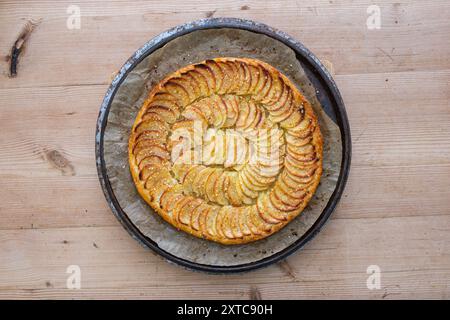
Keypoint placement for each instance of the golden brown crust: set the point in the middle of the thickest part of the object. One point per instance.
(226, 191)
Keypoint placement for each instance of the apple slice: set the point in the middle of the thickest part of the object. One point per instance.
(193, 84)
(190, 176)
(231, 104)
(152, 134)
(255, 77)
(274, 92)
(283, 99)
(232, 194)
(247, 222)
(159, 186)
(263, 210)
(244, 198)
(207, 73)
(217, 74)
(227, 80)
(188, 209)
(169, 198)
(235, 76)
(234, 223)
(162, 175)
(161, 100)
(242, 221)
(289, 196)
(283, 113)
(245, 186)
(245, 79)
(195, 216)
(218, 111)
(193, 113)
(244, 113)
(142, 144)
(198, 183)
(218, 223)
(149, 170)
(221, 188)
(176, 211)
(251, 117)
(167, 114)
(154, 150)
(262, 81)
(210, 185)
(224, 222)
(274, 212)
(258, 222)
(211, 219)
(292, 120)
(220, 150)
(153, 160)
(279, 204)
(304, 128)
(192, 91)
(201, 81)
(178, 91)
(152, 124)
(296, 193)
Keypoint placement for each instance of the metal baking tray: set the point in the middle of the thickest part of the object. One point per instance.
(326, 92)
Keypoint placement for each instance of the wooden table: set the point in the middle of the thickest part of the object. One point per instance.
(395, 212)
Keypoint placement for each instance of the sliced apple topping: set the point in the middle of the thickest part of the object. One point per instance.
(217, 74)
(227, 149)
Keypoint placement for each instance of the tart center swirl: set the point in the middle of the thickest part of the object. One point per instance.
(227, 149)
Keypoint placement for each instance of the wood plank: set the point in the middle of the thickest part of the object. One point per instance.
(410, 38)
(39, 121)
(411, 252)
(394, 213)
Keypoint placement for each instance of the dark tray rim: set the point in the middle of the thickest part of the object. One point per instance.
(212, 23)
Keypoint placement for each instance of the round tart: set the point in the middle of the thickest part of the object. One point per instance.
(227, 149)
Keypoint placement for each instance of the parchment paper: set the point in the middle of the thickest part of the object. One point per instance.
(192, 48)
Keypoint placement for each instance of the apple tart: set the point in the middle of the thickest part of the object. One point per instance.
(227, 150)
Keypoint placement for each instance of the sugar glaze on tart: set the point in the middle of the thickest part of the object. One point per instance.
(227, 150)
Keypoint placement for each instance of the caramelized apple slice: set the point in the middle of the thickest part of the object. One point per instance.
(263, 210)
(279, 103)
(279, 204)
(198, 183)
(154, 150)
(187, 210)
(245, 79)
(179, 92)
(218, 111)
(258, 222)
(217, 75)
(233, 194)
(210, 185)
(201, 81)
(153, 160)
(169, 198)
(231, 104)
(227, 80)
(233, 219)
(224, 222)
(152, 124)
(274, 90)
(207, 73)
(211, 221)
(242, 220)
(196, 216)
(255, 74)
(246, 187)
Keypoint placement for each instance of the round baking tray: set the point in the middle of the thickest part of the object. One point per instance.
(328, 94)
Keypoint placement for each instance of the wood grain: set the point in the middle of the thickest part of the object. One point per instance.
(395, 211)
